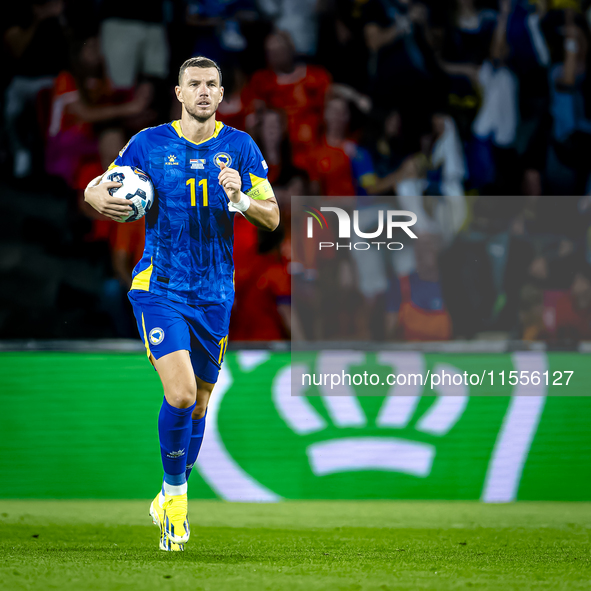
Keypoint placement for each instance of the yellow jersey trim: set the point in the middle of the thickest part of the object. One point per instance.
(368, 179)
(146, 342)
(111, 166)
(142, 279)
(177, 127)
(261, 188)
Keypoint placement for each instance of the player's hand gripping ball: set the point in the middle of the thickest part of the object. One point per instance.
(136, 187)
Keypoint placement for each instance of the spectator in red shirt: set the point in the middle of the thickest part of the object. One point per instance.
(80, 99)
(232, 110)
(262, 308)
(271, 136)
(338, 166)
(245, 250)
(299, 89)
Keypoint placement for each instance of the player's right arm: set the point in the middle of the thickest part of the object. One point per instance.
(97, 194)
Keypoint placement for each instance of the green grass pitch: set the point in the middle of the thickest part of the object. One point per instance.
(349, 546)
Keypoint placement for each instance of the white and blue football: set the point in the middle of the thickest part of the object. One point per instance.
(136, 186)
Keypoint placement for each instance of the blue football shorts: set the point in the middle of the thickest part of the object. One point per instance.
(166, 326)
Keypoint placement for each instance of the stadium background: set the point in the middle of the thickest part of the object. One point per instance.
(476, 112)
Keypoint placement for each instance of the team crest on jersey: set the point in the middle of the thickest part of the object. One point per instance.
(198, 163)
(156, 336)
(171, 160)
(222, 158)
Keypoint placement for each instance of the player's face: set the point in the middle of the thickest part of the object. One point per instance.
(200, 92)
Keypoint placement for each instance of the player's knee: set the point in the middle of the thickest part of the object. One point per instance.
(182, 396)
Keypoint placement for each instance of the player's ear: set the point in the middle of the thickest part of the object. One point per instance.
(221, 93)
(177, 90)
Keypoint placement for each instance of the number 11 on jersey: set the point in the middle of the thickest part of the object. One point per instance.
(202, 183)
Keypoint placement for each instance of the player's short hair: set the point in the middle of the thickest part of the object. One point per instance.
(199, 62)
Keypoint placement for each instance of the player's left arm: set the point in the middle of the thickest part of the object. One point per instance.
(263, 214)
(249, 190)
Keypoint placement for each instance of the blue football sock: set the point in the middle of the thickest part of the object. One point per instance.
(196, 441)
(174, 429)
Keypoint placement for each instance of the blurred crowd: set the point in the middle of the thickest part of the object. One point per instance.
(485, 267)
(474, 114)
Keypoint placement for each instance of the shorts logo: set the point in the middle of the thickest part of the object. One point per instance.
(222, 158)
(156, 336)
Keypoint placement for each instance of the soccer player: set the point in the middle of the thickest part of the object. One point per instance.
(182, 289)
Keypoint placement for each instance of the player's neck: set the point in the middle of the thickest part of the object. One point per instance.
(195, 130)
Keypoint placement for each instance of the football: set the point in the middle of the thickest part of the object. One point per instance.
(136, 186)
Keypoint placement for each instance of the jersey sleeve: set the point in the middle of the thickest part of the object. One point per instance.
(253, 173)
(64, 84)
(363, 171)
(131, 153)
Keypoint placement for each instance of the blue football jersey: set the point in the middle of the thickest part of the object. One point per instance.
(188, 254)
